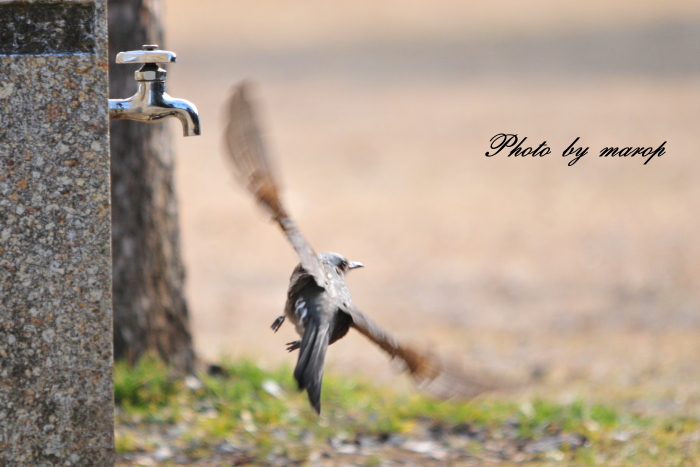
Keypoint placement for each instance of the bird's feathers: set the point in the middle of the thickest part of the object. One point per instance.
(253, 169)
(312, 355)
(441, 380)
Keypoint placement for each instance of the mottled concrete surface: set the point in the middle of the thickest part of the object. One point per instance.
(46, 28)
(55, 301)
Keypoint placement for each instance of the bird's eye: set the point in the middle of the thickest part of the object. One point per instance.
(344, 265)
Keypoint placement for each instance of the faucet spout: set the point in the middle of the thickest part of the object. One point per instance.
(186, 112)
(151, 104)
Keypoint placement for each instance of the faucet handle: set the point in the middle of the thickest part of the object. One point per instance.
(149, 54)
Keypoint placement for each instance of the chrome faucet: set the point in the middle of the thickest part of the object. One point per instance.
(151, 103)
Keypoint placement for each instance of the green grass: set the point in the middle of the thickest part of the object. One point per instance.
(237, 408)
(145, 386)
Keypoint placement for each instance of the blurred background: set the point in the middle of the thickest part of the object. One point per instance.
(378, 114)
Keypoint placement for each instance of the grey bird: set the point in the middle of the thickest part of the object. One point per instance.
(318, 301)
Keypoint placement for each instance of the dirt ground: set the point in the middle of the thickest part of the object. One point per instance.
(379, 115)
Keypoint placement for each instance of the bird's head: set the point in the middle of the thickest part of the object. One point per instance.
(339, 262)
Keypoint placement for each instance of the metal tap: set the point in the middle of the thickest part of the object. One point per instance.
(151, 103)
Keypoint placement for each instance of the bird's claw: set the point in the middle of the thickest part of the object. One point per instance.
(278, 322)
(292, 346)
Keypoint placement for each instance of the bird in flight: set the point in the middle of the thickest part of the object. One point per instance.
(318, 301)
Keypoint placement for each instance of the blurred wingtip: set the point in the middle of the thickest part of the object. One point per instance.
(242, 88)
(445, 380)
(246, 151)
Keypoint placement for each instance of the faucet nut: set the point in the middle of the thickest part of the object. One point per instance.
(150, 75)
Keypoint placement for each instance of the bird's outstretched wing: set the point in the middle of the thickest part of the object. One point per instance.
(254, 170)
(437, 378)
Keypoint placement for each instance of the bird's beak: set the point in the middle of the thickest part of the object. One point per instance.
(355, 264)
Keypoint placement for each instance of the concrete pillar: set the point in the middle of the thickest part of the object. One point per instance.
(56, 396)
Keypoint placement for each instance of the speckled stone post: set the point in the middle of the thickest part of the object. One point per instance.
(56, 396)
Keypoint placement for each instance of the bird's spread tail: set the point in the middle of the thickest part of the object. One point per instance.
(312, 354)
